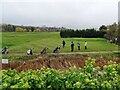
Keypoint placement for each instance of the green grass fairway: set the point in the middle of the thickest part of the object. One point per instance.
(22, 41)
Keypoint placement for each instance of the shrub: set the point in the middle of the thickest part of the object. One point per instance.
(74, 78)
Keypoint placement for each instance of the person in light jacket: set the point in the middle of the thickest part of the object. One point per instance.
(85, 44)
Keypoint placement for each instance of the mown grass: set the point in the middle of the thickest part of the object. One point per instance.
(22, 41)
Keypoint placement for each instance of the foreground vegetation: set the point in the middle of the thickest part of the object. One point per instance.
(84, 78)
(22, 41)
(64, 62)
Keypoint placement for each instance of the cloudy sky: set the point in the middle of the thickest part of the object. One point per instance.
(66, 13)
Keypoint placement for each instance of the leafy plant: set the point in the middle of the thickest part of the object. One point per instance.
(88, 77)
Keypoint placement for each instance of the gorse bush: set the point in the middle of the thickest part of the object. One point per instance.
(88, 77)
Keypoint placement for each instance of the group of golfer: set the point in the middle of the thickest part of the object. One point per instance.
(72, 45)
(56, 50)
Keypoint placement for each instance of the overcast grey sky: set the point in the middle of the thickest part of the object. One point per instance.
(66, 13)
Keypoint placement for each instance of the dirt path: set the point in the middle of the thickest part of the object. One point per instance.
(100, 52)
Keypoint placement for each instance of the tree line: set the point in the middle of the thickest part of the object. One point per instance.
(16, 28)
(21, 28)
(109, 32)
(87, 33)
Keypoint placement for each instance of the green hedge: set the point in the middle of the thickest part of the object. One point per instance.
(89, 77)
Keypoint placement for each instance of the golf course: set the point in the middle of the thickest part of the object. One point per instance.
(60, 45)
(65, 69)
(20, 42)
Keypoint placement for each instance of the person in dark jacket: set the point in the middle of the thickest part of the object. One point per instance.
(72, 46)
(63, 42)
